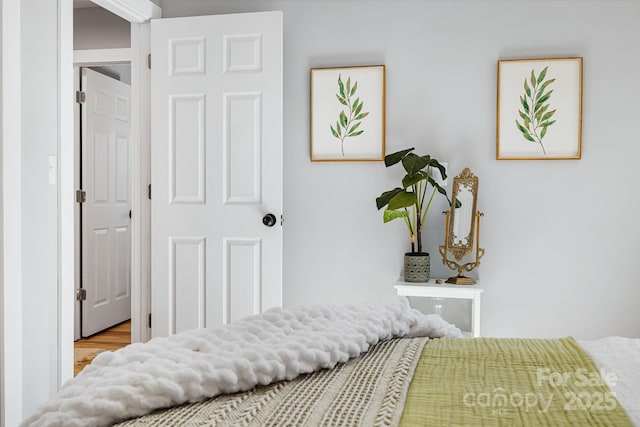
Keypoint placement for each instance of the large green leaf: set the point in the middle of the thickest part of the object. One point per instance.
(390, 215)
(408, 180)
(403, 199)
(353, 89)
(393, 158)
(348, 85)
(333, 131)
(413, 163)
(385, 197)
(438, 187)
(435, 164)
(356, 133)
(361, 116)
(341, 100)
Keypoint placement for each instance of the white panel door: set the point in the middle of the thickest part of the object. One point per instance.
(106, 237)
(216, 168)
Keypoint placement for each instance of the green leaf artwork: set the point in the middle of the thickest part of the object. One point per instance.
(535, 114)
(348, 123)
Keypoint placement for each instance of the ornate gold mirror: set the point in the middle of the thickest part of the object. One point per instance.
(462, 229)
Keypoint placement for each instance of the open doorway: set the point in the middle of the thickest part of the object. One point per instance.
(103, 159)
(92, 50)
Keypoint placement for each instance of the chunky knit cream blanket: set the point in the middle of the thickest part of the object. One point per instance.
(279, 344)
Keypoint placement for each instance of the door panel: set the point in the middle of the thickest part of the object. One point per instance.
(106, 237)
(187, 283)
(242, 276)
(216, 159)
(187, 152)
(242, 146)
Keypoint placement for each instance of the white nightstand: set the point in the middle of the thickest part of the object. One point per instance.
(445, 290)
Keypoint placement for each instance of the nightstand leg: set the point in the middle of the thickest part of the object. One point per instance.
(475, 314)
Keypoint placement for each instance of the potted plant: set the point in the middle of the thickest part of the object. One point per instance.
(411, 204)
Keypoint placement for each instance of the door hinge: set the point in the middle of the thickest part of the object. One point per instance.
(81, 295)
(149, 61)
(281, 220)
(149, 191)
(149, 323)
(81, 97)
(81, 196)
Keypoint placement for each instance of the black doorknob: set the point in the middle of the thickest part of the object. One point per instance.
(269, 220)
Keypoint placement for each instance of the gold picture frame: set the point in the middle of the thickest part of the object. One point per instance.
(347, 113)
(539, 109)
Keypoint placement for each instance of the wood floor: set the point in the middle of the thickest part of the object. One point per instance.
(111, 339)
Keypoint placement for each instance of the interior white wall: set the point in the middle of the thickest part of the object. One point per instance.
(2, 365)
(39, 204)
(561, 237)
(2, 368)
(11, 390)
(97, 28)
(37, 305)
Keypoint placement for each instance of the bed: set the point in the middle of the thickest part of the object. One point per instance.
(379, 364)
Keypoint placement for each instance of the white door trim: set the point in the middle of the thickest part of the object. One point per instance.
(139, 285)
(11, 390)
(90, 57)
(139, 130)
(134, 11)
(76, 210)
(140, 180)
(65, 187)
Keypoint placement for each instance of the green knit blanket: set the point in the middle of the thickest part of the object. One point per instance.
(510, 382)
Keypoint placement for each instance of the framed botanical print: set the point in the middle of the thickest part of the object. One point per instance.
(348, 113)
(539, 109)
